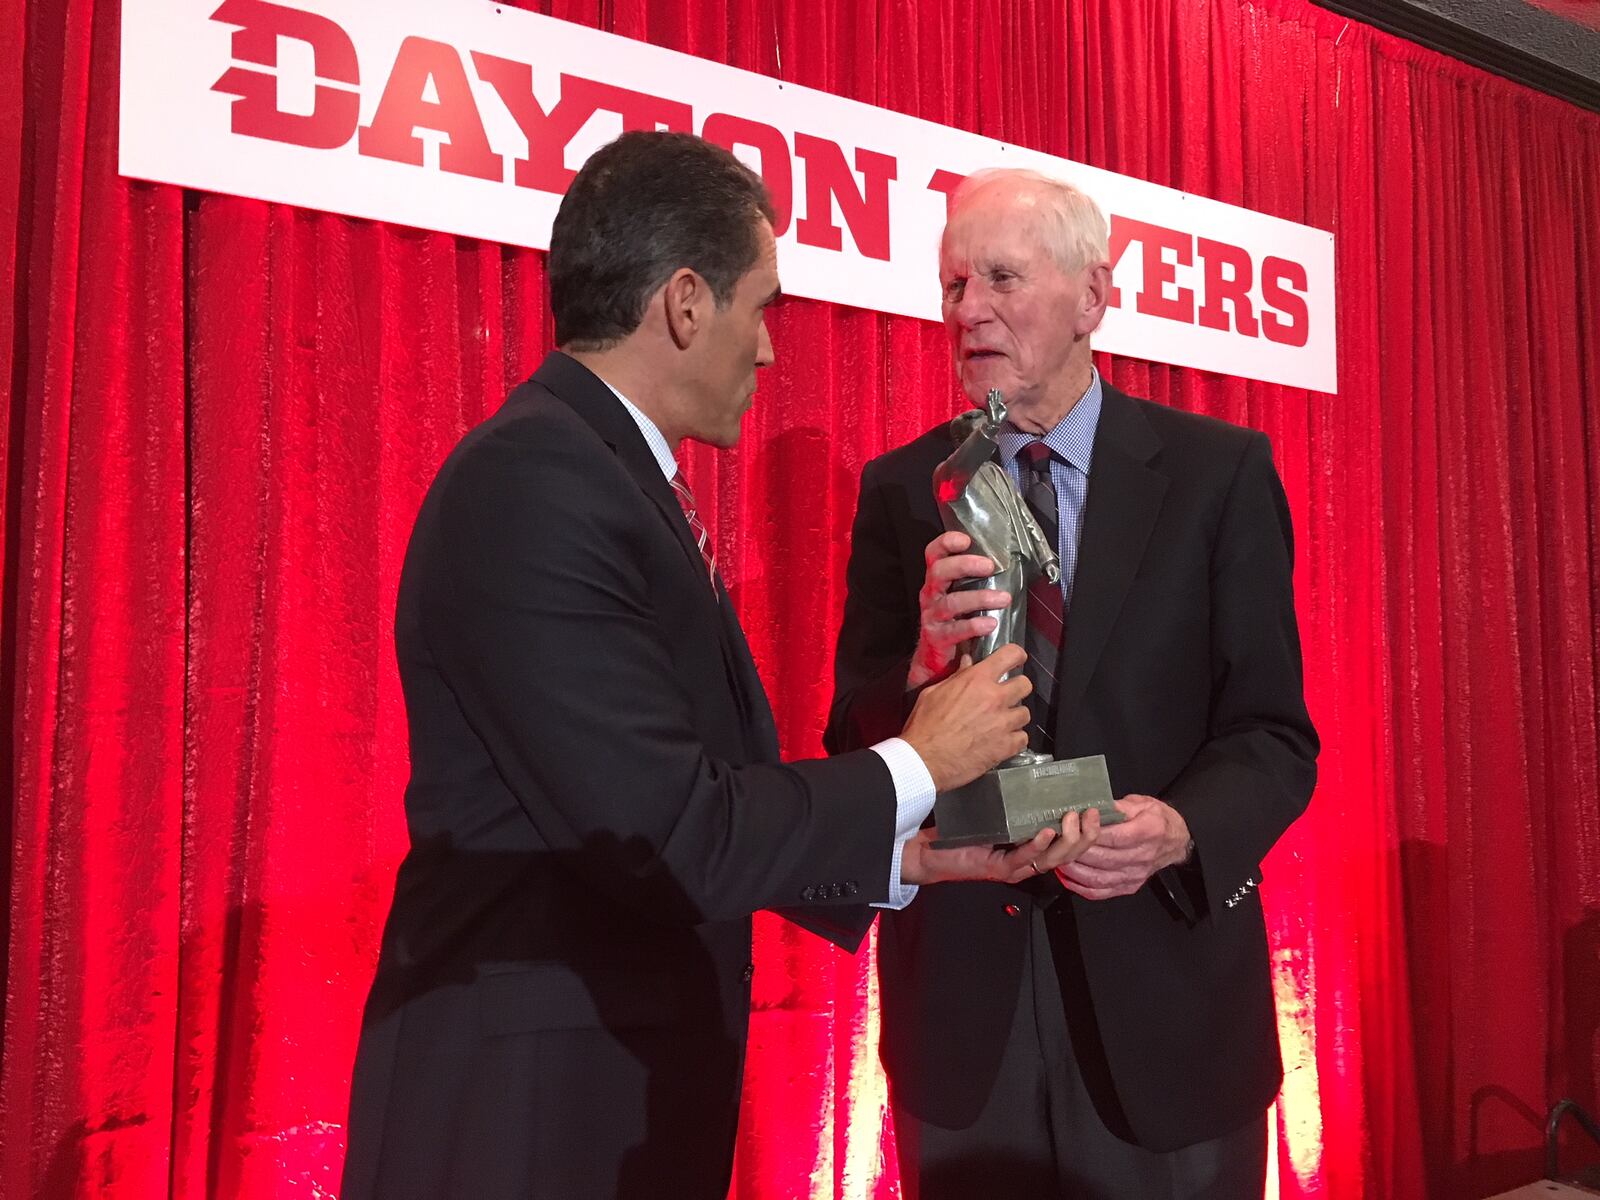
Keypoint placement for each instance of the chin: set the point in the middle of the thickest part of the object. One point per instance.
(977, 389)
(1015, 391)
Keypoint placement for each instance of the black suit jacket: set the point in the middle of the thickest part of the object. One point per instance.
(596, 807)
(1181, 664)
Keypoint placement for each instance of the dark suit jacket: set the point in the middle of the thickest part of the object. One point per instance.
(1181, 664)
(596, 807)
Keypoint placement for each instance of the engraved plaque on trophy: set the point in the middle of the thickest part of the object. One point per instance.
(1031, 790)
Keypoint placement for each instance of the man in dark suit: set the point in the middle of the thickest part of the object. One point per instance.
(1105, 1030)
(596, 804)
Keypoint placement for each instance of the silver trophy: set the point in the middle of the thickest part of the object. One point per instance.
(1031, 790)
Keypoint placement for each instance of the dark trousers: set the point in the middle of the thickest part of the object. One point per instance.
(1051, 1126)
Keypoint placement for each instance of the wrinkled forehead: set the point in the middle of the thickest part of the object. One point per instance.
(979, 237)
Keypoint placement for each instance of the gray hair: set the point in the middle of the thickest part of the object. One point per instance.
(1074, 228)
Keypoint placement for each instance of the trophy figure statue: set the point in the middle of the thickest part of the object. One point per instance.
(1030, 790)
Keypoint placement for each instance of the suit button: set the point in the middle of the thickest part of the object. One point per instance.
(835, 891)
(1011, 910)
(850, 888)
(749, 972)
(808, 894)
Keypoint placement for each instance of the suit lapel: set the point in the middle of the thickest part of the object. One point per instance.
(1123, 502)
(587, 395)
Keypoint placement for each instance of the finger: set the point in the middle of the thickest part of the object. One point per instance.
(960, 566)
(950, 633)
(1063, 851)
(952, 541)
(1113, 858)
(1032, 849)
(1088, 893)
(1134, 832)
(1073, 842)
(1097, 857)
(1026, 858)
(1086, 876)
(1015, 690)
(961, 604)
(1007, 658)
(1092, 890)
(1071, 833)
(1074, 847)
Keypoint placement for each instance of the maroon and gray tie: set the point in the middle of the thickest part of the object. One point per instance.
(1043, 634)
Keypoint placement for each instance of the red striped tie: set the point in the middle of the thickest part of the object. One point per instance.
(697, 527)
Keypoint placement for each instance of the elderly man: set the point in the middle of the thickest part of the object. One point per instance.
(596, 804)
(1105, 1029)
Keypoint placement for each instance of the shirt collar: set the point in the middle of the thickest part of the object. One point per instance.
(1072, 440)
(652, 436)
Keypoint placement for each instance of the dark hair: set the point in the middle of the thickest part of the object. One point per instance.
(641, 208)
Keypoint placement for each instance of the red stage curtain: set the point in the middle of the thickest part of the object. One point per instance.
(223, 415)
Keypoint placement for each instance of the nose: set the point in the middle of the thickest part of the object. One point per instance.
(764, 352)
(973, 308)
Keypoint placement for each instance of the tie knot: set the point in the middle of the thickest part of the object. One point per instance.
(1037, 456)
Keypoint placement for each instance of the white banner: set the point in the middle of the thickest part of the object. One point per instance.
(471, 119)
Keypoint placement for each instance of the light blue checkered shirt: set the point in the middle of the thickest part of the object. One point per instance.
(913, 786)
(1071, 445)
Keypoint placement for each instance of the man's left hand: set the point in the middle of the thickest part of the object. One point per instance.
(1154, 836)
(1047, 851)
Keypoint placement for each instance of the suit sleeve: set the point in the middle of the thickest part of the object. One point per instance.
(541, 621)
(1254, 773)
(878, 635)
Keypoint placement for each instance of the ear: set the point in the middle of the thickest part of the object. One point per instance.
(686, 298)
(1093, 299)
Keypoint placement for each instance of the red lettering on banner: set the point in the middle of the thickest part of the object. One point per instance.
(544, 169)
(946, 182)
(828, 178)
(403, 109)
(1275, 273)
(1284, 316)
(1230, 289)
(1153, 300)
(728, 131)
(335, 111)
(1121, 235)
(430, 86)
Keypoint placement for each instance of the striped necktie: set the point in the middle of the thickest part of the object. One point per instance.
(1043, 635)
(697, 527)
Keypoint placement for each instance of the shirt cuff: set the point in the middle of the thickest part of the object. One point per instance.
(913, 800)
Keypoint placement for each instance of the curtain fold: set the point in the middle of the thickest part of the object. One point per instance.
(223, 415)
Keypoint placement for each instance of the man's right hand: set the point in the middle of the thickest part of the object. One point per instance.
(947, 618)
(971, 721)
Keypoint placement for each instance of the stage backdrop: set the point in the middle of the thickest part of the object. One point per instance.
(223, 415)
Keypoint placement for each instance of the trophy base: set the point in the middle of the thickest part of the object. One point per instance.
(1010, 804)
